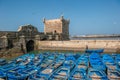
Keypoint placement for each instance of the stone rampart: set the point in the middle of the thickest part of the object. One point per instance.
(78, 45)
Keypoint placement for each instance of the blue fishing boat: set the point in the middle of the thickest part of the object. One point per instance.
(69, 61)
(96, 62)
(24, 59)
(82, 62)
(60, 57)
(114, 75)
(76, 55)
(94, 74)
(109, 62)
(45, 54)
(37, 60)
(114, 55)
(47, 61)
(94, 51)
(62, 73)
(4, 69)
(117, 61)
(21, 58)
(26, 62)
(2, 62)
(58, 61)
(22, 74)
(107, 59)
(13, 74)
(85, 55)
(78, 74)
(44, 74)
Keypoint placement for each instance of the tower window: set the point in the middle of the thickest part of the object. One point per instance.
(55, 31)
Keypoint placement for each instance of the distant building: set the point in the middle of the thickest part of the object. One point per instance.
(96, 37)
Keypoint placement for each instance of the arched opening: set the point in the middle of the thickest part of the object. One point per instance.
(55, 31)
(10, 44)
(30, 45)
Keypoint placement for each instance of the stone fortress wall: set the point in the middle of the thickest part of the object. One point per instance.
(80, 45)
(55, 30)
(55, 37)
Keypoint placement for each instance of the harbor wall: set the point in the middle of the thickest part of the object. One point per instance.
(79, 45)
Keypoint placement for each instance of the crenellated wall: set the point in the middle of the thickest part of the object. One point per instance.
(78, 45)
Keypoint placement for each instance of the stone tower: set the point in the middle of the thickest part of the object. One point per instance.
(57, 26)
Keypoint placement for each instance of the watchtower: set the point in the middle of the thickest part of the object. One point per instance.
(57, 26)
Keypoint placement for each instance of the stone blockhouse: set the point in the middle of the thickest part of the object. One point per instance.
(57, 26)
